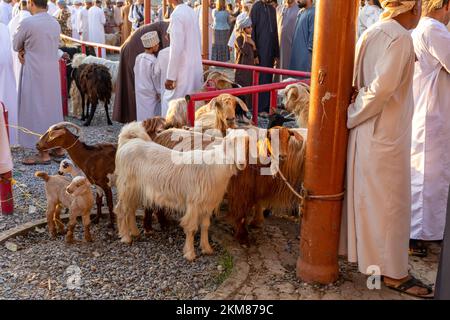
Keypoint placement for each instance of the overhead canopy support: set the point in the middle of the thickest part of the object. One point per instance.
(326, 150)
(205, 29)
(147, 11)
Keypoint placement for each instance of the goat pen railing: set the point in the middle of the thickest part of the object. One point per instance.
(6, 194)
(254, 90)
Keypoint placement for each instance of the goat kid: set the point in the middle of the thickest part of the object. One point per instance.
(96, 161)
(75, 195)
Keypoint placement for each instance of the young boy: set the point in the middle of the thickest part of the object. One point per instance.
(147, 85)
(160, 73)
(246, 53)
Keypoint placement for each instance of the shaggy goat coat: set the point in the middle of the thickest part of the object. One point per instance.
(196, 189)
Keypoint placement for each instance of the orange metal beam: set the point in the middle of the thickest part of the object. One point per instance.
(205, 29)
(331, 88)
(147, 11)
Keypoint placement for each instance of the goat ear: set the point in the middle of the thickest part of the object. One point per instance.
(55, 134)
(242, 104)
(296, 135)
(217, 103)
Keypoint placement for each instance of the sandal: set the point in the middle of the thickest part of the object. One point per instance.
(32, 161)
(411, 283)
(418, 248)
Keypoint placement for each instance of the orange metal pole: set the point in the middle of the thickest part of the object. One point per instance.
(205, 29)
(326, 150)
(147, 11)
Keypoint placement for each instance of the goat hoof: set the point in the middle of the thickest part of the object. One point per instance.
(111, 225)
(148, 233)
(96, 220)
(86, 124)
(70, 240)
(126, 240)
(208, 251)
(110, 123)
(189, 256)
(62, 232)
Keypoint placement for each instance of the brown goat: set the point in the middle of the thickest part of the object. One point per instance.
(96, 161)
(95, 81)
(249, 190)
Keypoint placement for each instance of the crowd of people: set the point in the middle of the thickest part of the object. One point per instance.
(398, 169)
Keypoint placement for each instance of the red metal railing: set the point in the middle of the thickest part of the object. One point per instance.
(6, 194)
(64, 94)
(99, 46)
(271, 87)
(256, 70)
(254, 89)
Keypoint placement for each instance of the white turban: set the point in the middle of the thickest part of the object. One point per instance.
(243, 21)
(393, 8)
(431, 5)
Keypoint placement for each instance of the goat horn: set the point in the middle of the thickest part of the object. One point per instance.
(66, 124)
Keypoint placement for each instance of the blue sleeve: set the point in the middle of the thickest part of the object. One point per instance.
(311, 31)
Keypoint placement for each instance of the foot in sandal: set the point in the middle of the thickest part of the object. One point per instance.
(411, 286)
(43, 158)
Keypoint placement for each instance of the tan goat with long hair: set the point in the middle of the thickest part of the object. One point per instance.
(297, 102)
(148, 174)
(219, 113)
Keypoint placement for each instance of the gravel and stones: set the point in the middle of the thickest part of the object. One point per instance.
(41, 268)
(151, 268)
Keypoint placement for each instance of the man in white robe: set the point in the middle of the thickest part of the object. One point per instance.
(8, 89)
(40, 106)
(51, 7)
(83, 20)
(16, 9)
(185, 70)
(74, 10)
(377, 212)
(13, 25)
(286, 17)
(368, 15)
(160, 71)
(147, 85)
(430, 154)
(96, 21)
(6, 9)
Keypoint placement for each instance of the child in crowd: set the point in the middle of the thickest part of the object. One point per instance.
(246, 53)
(160, 73)
(147, 84)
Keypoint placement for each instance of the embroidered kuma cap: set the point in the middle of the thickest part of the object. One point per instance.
(150, 39)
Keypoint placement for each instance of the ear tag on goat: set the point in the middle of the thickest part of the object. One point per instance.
(264, 147)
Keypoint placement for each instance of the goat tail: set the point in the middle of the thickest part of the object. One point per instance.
(43, 175)
(132, 130)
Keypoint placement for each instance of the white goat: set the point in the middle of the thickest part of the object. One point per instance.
(147, 174)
